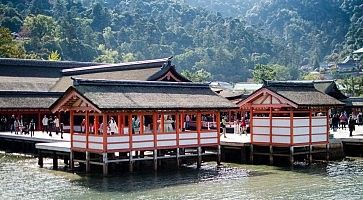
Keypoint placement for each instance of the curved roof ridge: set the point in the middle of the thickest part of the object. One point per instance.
(107, 82)
(126, 66)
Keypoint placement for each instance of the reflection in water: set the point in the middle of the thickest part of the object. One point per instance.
(20, 178)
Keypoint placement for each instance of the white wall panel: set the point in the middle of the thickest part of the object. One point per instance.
(79, 145)
(319, 129)
(188, 142)
(79, 138)
(319, 121)
(118, 139)
(280, 131)
(319, 138)
(261, 130)
(95, 139)
(301, 130)
(142, 144)
(301, 121)
(95, 146)
(281, 121)
(142, 137)
(166, 136)
(188, 135)
(261, 121)
(261, 138)
(166, 143)
(209, 141)
(211, 134)
(301, 139)
(118, 146)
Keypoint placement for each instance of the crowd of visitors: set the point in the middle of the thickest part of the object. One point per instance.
(20, 125)
(343, 121)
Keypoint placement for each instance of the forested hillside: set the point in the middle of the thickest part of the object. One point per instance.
(225, 45)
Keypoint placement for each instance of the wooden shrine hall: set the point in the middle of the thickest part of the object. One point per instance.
(288, 119)
(115, 121)
(29, 87)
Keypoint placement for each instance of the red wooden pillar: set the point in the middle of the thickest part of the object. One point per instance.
(178, 127)
(130, 131)
(87, 129)
(270, 115)
(155, 127)
(218, 121)
(199, 125)
(310, 127)
(39, 121)
(291, 127)
(162, 123)
(95, 124)
(71, 125)
(251, 124)
(104, 130)
(120, 122)
(141, 128)
(327, 125)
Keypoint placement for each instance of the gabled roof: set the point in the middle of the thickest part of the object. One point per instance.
(26, 100)
(301, 93)
(168, 73)
(148, 95)
(292, 93)
(157, 63)
(330, 88)
(44, 63)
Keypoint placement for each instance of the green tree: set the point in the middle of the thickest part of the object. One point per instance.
(8, 47)
(200, 75)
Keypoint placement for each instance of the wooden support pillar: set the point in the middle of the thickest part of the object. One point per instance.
(251, 154)
(199, 161)
(71, 160)
(131, 162)
(327, 152)
(291, 155)
(219, 155)
(177, 158)
(271, 155)
(155, 160)
(88, 166)
(310, 154)
(55, 161)
(105, 164)
(40, 160)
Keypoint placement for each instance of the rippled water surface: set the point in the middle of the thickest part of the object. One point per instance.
(20, 178)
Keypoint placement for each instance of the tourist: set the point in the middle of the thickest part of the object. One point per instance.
(56, 124)
(360, 118)
(112, 126)
(243, 125)
(351, 125)
(335, 122)
(12, 122)
(21, 124)
(32, 127)
(45, 124)
(83, 125)
(16, 126)
(135, 125)
(343, 120)
(61, 129)
(3, 122)
(50, 125)
(223, 125)
(187, 122)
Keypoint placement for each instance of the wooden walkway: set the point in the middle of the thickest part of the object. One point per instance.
(38, 137)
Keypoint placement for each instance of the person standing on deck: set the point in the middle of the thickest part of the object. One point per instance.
(223, 125)
(187, 122)
(56, 124)
(21, 124)
(12, 121)
(83, 125)
(16, 126)
(45, 124)
(243, 125)
(343, 120)
(113, 126)
(351, 125)
(3, 123)
(50, 125)
(32, 127)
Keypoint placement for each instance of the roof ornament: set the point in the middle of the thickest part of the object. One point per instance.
(168, 63)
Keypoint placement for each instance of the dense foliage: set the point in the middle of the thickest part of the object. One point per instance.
(215, 45)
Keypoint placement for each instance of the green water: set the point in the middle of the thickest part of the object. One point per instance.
(20, 178)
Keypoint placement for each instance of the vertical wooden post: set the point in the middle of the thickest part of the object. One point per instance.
(178, 127)
(155, 160)
(120, 122)
(96, 124)
(291, 127)
(40, 160)
(71, 160)
(199, 125)
(271, 155)
(270, 115)
(310, 127)
(310, 154)
(87, 129)
(218, 121)
(88, 157)
(131, 162)
(71, 126)
(291, 155)
(105, 164)
(199, 161)
(327, 152)
(39, 121)
(251, 154)
(55, 161)
(104, 130)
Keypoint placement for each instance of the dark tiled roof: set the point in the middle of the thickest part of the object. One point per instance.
(157, 63)
(330, 88)
(301, 93)
(35, 84)
(44, 63)
(107, 94)
(21, 99)
(167, 67)
(354, 101)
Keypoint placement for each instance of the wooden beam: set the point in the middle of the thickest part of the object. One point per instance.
(104, 130)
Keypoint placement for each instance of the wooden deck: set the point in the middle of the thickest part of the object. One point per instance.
(38, 137)
(55, 146)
